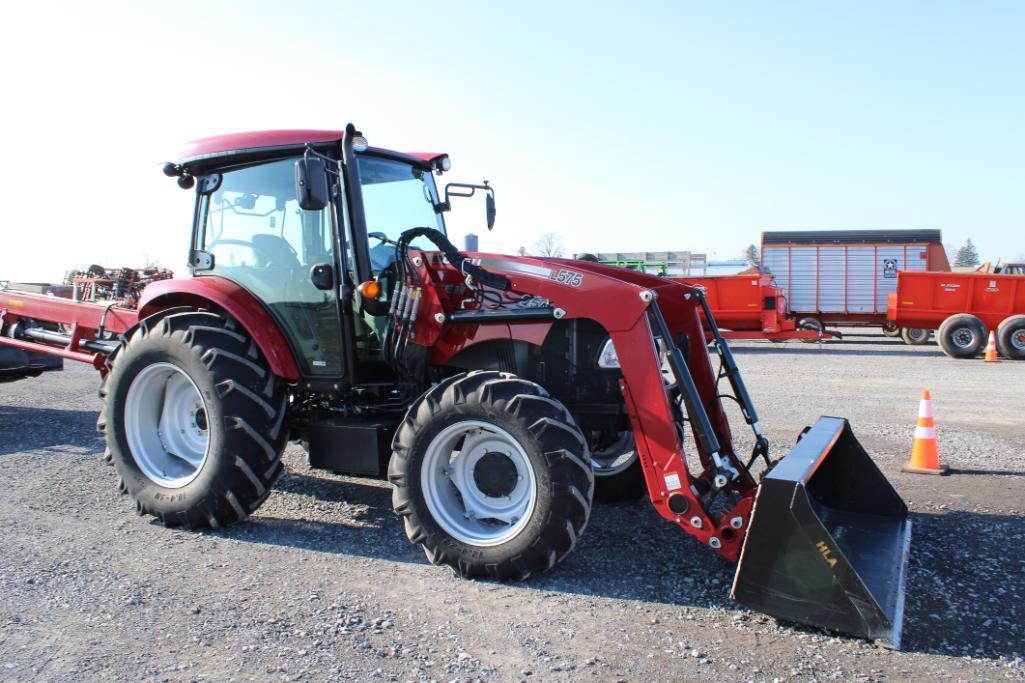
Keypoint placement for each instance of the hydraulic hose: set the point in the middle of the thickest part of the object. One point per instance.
(456, 258)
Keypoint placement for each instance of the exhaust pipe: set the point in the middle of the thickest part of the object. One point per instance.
(829, 539)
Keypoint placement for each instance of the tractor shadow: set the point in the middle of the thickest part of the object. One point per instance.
(962, 597)
(45, 429)
(362, 521)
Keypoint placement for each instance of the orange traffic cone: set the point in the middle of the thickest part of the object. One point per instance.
(991, 349)
(925, 459)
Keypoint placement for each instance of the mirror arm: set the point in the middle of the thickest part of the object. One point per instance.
(328, 161)
(447, 204)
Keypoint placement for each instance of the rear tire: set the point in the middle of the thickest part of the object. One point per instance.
(891, 330)
(194, 420)
(811, 323)
(453, 464)
(1011, 337)
(962, 336)
(618, 476)
(914, 336)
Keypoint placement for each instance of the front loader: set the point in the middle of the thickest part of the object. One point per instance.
(500, 395)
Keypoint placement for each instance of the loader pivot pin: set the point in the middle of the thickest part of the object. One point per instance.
(678, 503)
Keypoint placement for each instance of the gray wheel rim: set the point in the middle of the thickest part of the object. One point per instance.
(166, 425)
(917, 334)
(963, 337)
(449, 480)
(1018, 339)
(616, 457)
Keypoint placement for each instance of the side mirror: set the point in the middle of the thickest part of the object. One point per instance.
(489, 203)
(311, 187)
(323, 276)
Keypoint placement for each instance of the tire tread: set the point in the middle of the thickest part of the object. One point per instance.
(560, 442)
(254, 404)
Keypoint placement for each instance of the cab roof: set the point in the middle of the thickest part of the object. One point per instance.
(212, 150)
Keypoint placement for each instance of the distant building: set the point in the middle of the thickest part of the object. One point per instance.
(729, 267)
(471, 243)
(656, 262)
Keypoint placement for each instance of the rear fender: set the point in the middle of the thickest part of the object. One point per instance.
(237, 302)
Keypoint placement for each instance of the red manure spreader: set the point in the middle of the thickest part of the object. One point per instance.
(963, 308)
(752, 306)
(500, 395)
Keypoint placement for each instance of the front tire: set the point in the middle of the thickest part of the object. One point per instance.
(491, 477)
(962, 336)
(194, 420)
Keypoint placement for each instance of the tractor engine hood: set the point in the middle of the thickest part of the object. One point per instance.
(561, 269)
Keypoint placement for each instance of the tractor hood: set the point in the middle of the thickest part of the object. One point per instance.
(569, 270)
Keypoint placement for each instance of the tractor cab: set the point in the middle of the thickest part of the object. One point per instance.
(300, 219)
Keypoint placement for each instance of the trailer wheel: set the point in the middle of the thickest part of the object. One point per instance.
(891, 330)
(962, 336)
(1011, 337)
(914, 336)
(490, 476)
(194, 420)
(811, 323)
(617, 468)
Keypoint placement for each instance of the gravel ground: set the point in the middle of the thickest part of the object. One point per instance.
(321, 583)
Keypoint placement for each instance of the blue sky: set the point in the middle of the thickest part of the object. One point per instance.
(620, 127)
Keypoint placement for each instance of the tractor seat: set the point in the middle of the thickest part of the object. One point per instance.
(277, 250)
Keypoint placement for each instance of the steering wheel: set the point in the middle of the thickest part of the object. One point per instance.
(265, 255)
(238, 243)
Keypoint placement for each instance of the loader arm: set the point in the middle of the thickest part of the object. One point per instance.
(634, 310)
(822, 540)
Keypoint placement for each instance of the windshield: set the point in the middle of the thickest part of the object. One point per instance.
(396, 197)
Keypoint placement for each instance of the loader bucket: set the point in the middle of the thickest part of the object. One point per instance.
(828, 540)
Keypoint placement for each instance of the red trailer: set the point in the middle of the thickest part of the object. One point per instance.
(751, 306)
(963, 308)
(844, 276)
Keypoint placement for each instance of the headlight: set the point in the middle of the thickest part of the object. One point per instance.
(608, 358)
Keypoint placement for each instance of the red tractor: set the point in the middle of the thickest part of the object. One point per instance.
(499, 395)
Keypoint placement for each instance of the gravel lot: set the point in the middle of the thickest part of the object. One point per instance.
(321, 583)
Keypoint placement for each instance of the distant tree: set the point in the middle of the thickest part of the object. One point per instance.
(967, 255)
(522, 251)
(750, 254)
(549, 244)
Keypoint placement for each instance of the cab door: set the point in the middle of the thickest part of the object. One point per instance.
(260, 238)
